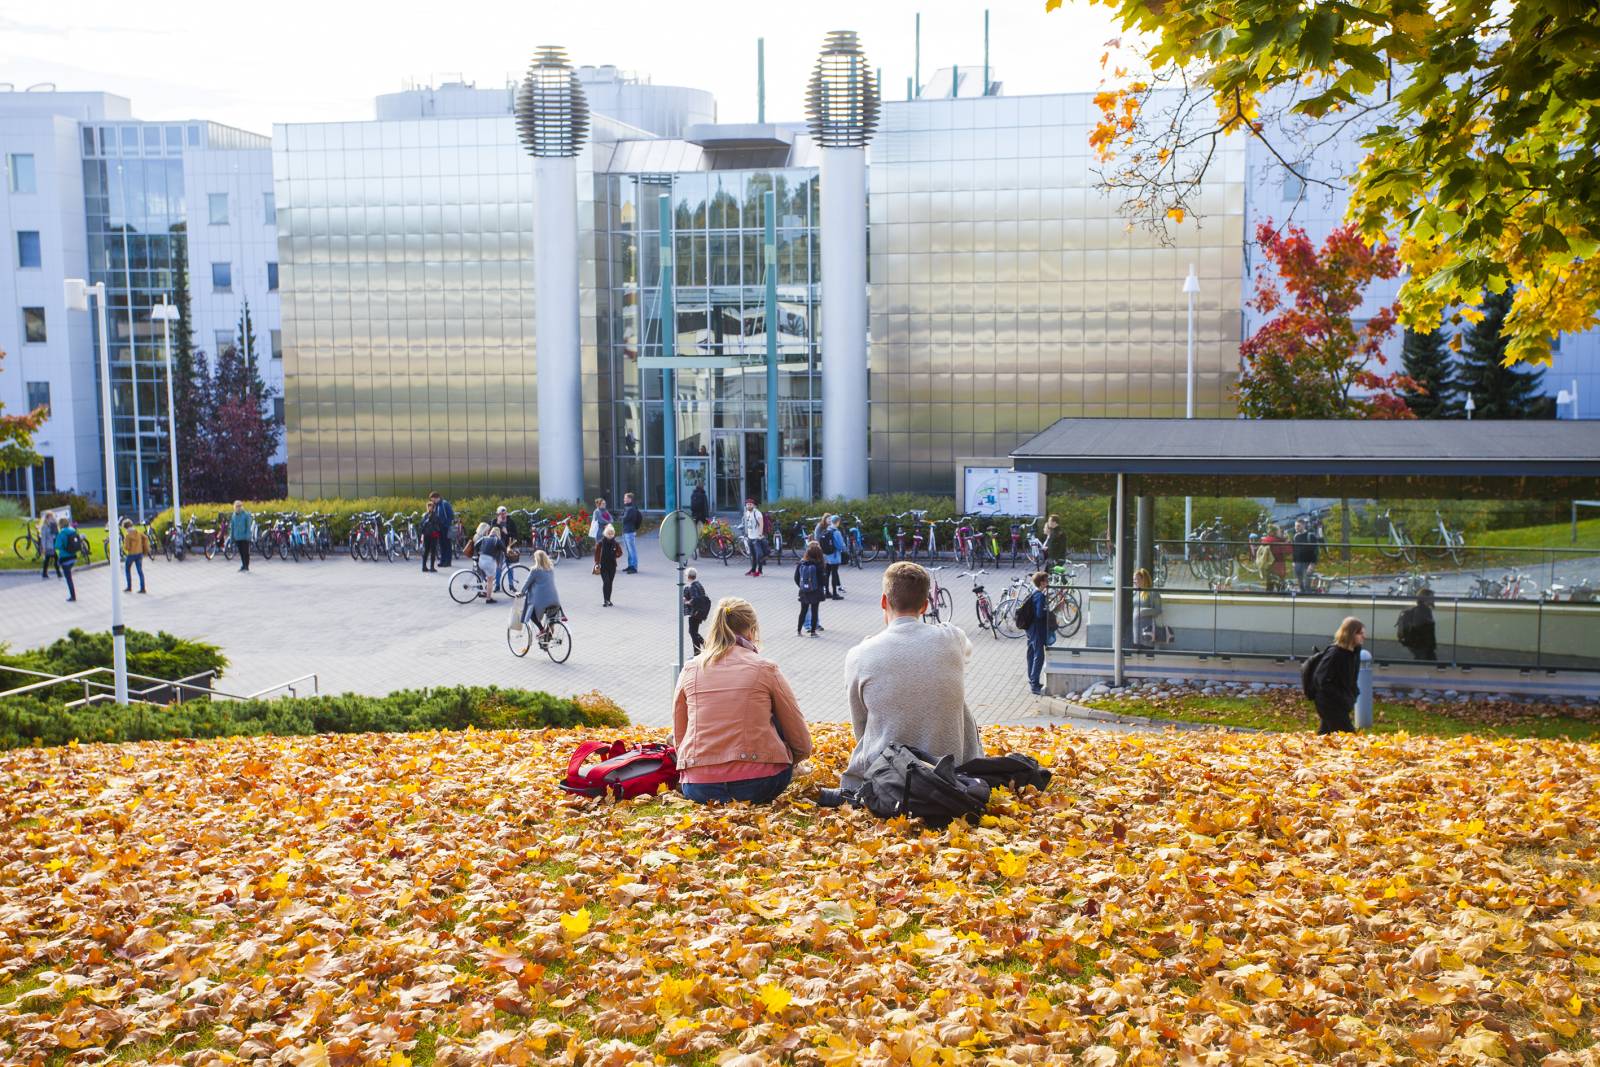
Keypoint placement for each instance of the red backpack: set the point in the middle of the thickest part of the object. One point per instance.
(640, 770)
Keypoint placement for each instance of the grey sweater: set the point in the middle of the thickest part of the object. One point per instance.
(907, 684)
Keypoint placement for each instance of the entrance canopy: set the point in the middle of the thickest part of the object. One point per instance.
(1444, 448)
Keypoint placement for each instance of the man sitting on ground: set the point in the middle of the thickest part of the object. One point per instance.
(907, 683)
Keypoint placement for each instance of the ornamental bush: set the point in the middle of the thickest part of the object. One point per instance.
(35, 721)
(159, 655)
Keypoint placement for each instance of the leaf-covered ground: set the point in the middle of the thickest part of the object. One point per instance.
(1192, 899)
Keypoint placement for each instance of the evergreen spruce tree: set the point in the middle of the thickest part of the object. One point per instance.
(1498, 391)
(1427, 361)
(189, 374)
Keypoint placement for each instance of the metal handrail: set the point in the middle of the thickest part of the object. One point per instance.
(88, 677)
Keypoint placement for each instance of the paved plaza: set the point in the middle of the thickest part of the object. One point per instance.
(377, 627)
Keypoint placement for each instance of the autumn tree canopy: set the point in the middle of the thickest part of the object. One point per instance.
(1478, 121)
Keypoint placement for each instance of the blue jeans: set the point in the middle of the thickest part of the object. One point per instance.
(1035, 660)
(67, 563)
(128, 564)
(758, 553)
(630, 542)
(753, 790)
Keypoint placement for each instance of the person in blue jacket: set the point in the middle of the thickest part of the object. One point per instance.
(447, 521)
(66, 550)
(832, 542)
(1038, 632)
(240, 528)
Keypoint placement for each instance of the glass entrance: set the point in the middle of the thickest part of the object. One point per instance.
(727, 453)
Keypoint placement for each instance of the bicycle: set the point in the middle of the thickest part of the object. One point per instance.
(941, 608)
(856, 544)
(1443, 541)
(1396, 543)
(981, 604)
(553, 637)
(470, 583)
(1017, 590)
(27, 545)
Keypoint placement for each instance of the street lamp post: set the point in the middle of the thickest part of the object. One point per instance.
(1564, 397)
(1470, 407)
(1191, 287)
(167, 314)
(77, 291)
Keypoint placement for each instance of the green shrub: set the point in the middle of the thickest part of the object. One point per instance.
(83, 509)
(30, 721)
(159, 655)
(10, 509)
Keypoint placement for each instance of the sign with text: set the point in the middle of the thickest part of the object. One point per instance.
(1001, 491)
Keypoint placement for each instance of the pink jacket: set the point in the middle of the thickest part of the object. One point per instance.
(733, 711)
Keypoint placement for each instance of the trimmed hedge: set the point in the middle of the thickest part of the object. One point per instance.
(341, 513)
(25, 722)
(159, 655)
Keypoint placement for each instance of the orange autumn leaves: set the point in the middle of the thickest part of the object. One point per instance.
(434, 898)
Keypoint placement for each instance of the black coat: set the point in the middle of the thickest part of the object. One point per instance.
(699, 504)
(1335, 681)
(632, 519)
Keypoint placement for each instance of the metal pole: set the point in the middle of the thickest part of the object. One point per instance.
(669, 345)
(681, 624)
(33, 510)
(769, 204)
(909, 94)
(1364, 696)
(1119, 592)
(133, 370)
(955, 81)
(985, 52)
(916, 67)
(761, 86)
(172, 421)
(1191, 286)
(119, 647)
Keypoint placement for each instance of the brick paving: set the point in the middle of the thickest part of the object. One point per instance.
(377, 627)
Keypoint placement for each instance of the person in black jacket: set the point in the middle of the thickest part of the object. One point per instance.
(1334, 680)
(700, 506)
(808, 575)
(1416, 629)
(632, 519)
(432, 530)
(1305, 542)
(696, 607)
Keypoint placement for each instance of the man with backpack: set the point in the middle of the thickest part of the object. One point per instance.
(1305, 554)
(447, 528)
(1416, 629)
(68, 545)
(1035, 619)
(696, 607)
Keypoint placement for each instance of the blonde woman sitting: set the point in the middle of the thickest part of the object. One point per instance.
(735, 721)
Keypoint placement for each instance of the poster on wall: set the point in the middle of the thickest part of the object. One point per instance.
(1001, 491)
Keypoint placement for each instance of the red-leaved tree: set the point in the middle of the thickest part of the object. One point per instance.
(16, 437)
(1310, 360)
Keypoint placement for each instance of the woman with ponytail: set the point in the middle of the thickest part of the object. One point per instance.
(735, 721)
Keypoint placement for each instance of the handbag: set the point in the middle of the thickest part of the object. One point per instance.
(594, 530)
(516, 614)
(512, 555)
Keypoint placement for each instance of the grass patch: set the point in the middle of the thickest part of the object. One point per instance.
(1389, 717)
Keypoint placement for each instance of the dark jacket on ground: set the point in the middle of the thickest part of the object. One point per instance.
(632, 519)
(1334, 682)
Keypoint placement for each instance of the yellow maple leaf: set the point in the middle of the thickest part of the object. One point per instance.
(1575, 1005)
(576, 923)
(399, 1059)
(773, 997)
(1175, 214)
(1010, 865)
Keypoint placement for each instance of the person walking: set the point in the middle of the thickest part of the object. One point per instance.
(599, 519)
(1055, 541)
(696, 606)
(447, 529)
(242, 528)
(735, 721)
(489, 546)
(47, 544)
(135, 546)
(1416, 628)
(541, 604)
(1305, 555)
(432, 534)
(753, 526)
(832, 555)
(606, 553)
(1334, 680)
(808, 577)
(1038, 632)
(699, 506)
(632, 519)
(68, 544)
(1279, 549)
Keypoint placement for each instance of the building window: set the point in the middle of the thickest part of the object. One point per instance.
(33, 330)
(219, 208)
(1294, 187)
(277, 410)
(277, 343)
(222, 277)
(272, 277)
(23, 179)
(269, 209)
(39, 396)
(223, 339)
(28, 248)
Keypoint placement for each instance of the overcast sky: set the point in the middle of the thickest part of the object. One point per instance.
(253, 64)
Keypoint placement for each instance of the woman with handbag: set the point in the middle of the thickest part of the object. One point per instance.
(735, 720)
(607, 551)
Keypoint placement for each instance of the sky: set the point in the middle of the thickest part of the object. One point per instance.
(251, 65)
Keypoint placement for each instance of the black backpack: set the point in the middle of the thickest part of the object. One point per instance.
(75, 544)
(700, 605)
(1024, 615)
(1013, 771)
(1405, 626)
(1308, 672)
(904, 781)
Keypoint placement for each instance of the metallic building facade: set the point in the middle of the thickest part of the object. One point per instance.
(1006, 292)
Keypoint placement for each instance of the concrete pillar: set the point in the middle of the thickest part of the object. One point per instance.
(844, 323)
(555, 285)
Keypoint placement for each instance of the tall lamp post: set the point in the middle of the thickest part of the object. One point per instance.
(167, 314)
(1471, 406)
(77, 291)
(1191, 287)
